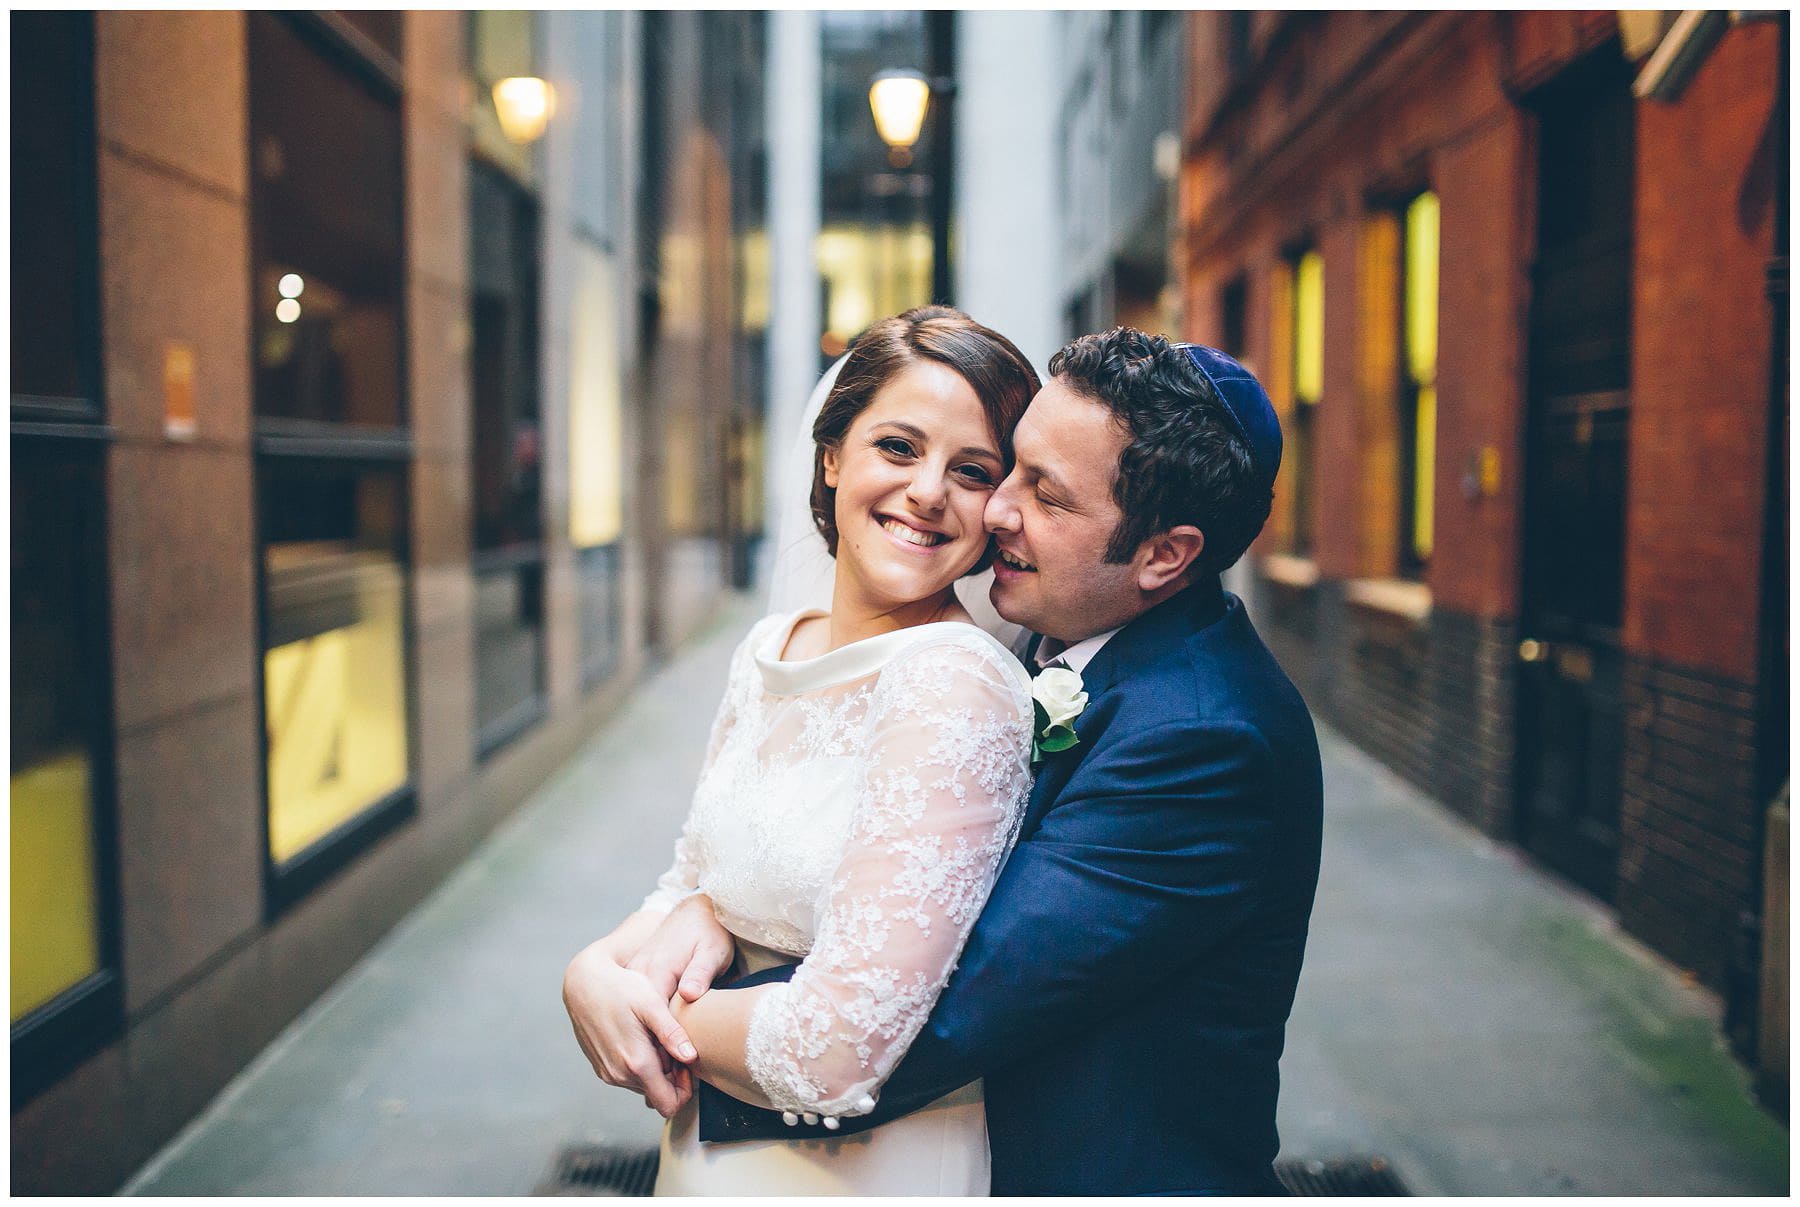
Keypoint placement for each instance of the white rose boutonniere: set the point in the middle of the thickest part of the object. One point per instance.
(1057, 699)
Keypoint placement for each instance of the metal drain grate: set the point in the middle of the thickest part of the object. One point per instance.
(609, 1170)
(604, 1170)
(1340, 1176)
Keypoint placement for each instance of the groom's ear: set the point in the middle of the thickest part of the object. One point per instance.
(1167, 556)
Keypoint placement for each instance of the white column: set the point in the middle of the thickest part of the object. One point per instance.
(1007, 222)
(794, 102)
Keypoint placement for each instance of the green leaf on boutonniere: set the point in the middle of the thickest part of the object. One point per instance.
(1058, 739)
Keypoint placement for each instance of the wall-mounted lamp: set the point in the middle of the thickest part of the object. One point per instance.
(525, 104)
(898, 100)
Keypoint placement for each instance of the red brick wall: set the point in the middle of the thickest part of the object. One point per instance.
(1481, 182)
(1701, 337)
(1700, 363)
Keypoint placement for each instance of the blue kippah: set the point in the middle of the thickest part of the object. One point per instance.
(1247, 403)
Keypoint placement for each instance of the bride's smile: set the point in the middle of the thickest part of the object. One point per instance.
(912, 478)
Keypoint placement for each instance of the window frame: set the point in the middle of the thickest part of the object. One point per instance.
(85, 412)
(53, 1038)
(1409, 390)
(50, 1040)
(288, 441)
(521, 718)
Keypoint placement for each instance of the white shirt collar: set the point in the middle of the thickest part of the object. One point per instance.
(1076, 657)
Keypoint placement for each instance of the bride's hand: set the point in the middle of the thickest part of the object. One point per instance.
(687, 952)
(626, 1031)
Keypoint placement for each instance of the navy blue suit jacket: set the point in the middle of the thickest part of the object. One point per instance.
(1126, 989)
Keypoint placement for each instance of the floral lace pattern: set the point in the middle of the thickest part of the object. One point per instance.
(860, 824)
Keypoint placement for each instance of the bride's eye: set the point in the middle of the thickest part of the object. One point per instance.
(976, 474)
(895, 445)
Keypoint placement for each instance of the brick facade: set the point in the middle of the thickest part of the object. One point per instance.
(1332, 115)
(1433, 700)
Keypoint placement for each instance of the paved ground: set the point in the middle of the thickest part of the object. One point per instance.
(1462, 1014)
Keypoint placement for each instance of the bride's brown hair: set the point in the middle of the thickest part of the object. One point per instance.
(997, 371)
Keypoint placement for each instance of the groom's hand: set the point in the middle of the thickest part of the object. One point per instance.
(687, 952)
(626, 1030)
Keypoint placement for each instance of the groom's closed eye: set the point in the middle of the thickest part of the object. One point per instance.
(1047, 497)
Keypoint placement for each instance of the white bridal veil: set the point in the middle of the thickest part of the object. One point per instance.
(802, 571)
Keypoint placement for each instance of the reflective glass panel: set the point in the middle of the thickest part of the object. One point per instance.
(52, 219)
(509, 634)
(596, 422)
(334, 665)
(503, 278)
(508, 462)
(600, 611)
(325, 234)
(56, 717)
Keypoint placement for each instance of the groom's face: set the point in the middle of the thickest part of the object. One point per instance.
(1053, 517)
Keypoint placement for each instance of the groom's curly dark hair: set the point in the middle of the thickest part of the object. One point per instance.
(1184, 461)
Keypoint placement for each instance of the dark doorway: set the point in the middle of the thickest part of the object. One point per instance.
(1570, 719)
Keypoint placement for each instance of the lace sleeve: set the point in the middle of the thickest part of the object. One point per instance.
(937, 809)
(683, 877)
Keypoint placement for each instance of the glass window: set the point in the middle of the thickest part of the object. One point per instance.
(1418, 419)
(1233, 314)
(596, 454)
(59, 681)
(325, 234)
(1307, 273)
(66, 997)
(601, 608)
(54, 299)
(596, 420)
(334, 654)
(329, 284)
(508, 548)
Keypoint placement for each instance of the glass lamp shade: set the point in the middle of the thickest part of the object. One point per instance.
(524, 104)
(898, 100)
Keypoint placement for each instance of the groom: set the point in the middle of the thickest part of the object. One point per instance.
(1125, 991)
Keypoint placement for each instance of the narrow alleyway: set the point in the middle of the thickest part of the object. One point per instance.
(1461, 1014)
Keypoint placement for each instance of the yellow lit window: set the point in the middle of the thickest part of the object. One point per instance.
(1309, 327)
(55, 932)
(1305, 273)
(596, 421)
(1420, 324)
(56, 889)
(334, 671)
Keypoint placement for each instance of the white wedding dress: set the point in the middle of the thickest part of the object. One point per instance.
(853, 809)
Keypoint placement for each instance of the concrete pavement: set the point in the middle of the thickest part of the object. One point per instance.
(1465, 1016)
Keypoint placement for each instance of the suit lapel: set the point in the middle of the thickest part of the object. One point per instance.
(1142, 643)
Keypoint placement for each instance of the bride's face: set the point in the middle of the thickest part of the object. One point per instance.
(913, 475)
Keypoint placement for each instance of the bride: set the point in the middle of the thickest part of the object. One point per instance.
(864, 782)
